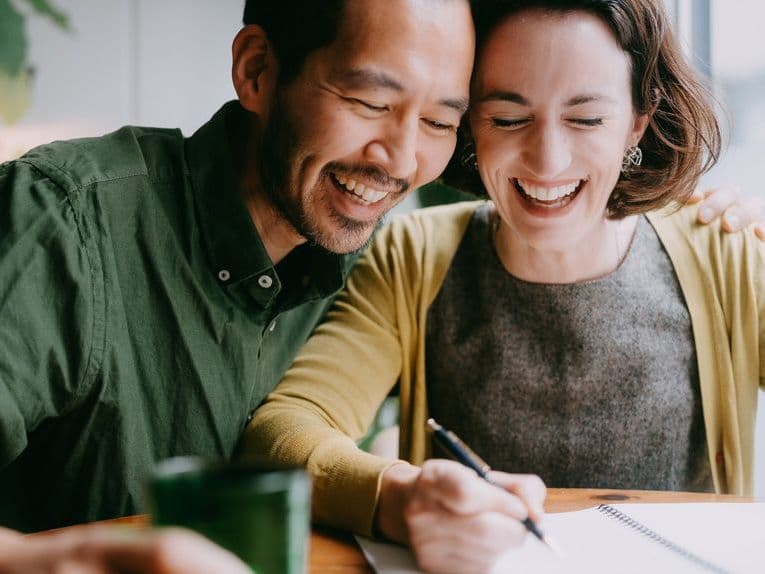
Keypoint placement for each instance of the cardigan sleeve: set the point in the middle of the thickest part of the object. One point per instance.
(761, 308)
(330, 396)
(371, 340)
(723, 280)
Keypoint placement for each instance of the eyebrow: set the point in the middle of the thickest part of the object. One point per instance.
(369, 78)
(587, 98)
(458, 104)
(503, 96)
(360, 78)
(516, 98)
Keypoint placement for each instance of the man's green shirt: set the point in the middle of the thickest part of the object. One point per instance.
(140, 316)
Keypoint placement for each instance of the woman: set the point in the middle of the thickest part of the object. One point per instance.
(569, 327)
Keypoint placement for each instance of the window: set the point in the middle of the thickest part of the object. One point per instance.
(726, 43)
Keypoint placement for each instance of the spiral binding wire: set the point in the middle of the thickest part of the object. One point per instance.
(642, 529)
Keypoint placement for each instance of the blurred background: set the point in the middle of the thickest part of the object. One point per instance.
(71, 68)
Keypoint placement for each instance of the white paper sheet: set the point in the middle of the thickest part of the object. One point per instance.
(729, 536)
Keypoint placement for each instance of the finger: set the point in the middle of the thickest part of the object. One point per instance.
(446, 560)
(716, 202)
(734, 219)
(81, 549)
(189, 553)
(740, 216)
(759, 231)
(51, 553)
(464, 543)
(78, 566)
(696, 196)
(118, 549)
(529, 488)
(460, 490)
(171, 551)
(177, 551)
(9, 537)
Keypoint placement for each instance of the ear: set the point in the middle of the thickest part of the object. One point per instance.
(639, 125)
(255, 69)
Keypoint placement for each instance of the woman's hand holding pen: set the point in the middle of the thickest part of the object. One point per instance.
(453, 520)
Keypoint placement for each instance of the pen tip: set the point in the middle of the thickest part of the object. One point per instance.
(433, 425)
(552, 545)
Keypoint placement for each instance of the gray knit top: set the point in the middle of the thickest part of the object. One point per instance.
(592, 384)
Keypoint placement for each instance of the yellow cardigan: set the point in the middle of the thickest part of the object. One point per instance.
(375, 337)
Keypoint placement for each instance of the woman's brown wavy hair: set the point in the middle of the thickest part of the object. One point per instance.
(683, 139)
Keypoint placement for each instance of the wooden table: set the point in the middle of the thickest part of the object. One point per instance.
(334, 552)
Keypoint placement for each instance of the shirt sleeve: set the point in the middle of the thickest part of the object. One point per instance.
(47, 300)
(330, 396)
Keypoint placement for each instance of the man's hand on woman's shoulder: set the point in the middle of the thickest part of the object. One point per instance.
(737, 213)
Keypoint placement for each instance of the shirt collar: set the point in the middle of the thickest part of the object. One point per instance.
(236, 250)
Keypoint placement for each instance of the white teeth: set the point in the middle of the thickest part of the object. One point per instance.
(368, 195)
(548, 193)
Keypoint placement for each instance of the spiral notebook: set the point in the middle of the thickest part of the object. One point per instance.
(718, 538)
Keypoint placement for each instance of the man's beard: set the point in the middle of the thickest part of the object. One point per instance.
(277, 159)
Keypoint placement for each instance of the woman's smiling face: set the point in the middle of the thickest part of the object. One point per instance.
(552, 116)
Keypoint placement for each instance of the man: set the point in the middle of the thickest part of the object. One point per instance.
(153, 289)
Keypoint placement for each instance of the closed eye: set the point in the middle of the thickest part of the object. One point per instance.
(369, 105)
(589, 122)
(509, 122)
(440, 126)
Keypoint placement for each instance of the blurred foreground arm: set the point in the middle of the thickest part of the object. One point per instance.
(111, 550)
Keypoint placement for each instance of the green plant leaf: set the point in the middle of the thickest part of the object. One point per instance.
(13, 40)
(45, 8)
(15, 95)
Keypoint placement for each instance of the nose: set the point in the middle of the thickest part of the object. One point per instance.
(547, 152)
(394, 147)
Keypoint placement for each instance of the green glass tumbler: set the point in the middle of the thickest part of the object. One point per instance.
(261, 514)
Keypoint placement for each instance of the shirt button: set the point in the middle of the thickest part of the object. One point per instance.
(224, 275)
(272, 326)
(265, 281)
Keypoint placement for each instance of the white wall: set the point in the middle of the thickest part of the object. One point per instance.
(184, 59)
(140, 62)
(738, 64)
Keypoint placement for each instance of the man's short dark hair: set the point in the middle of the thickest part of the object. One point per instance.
(295, 28)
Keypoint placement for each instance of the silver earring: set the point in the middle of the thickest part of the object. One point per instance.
(633, 157)
(468, 157)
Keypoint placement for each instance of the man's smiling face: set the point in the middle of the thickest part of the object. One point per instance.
(369, 118)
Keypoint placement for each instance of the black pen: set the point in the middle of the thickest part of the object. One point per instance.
(463, 454)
